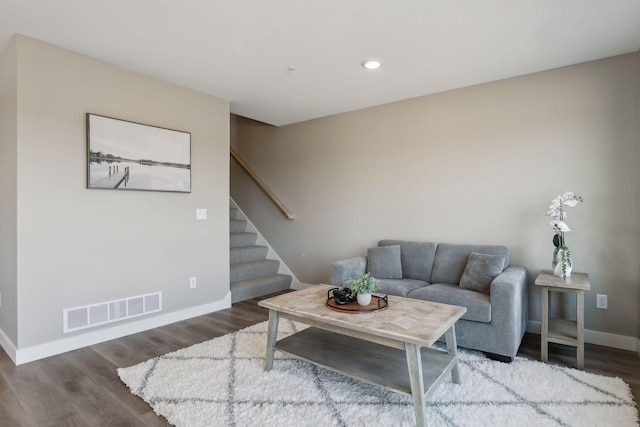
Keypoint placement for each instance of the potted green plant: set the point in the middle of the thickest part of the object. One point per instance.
(363, 286)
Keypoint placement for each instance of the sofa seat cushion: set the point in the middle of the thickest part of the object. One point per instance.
(399, 287)
(478, 304)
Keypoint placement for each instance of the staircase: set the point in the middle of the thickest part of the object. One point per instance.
(252, 274)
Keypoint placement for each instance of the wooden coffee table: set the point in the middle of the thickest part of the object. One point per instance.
(389, 348)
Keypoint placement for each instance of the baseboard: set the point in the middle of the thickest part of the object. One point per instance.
(8, 345)
(606, 339)
(29, 354)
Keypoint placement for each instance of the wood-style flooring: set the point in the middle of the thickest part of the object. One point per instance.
(82, 388)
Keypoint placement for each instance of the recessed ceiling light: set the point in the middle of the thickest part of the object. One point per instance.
(372, 64)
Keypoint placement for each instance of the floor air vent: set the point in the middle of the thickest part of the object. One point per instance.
(112, 311)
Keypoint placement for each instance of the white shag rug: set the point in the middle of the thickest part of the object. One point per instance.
(221, 382)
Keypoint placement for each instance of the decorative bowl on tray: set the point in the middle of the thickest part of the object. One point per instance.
(344, 300)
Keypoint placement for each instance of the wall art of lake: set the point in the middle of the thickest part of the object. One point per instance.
(141, 176)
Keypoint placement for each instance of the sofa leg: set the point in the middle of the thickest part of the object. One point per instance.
(499, 357)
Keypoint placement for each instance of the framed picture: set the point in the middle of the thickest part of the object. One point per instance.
(123, 155)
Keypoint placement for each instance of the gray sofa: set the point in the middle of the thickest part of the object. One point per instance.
(477, 277)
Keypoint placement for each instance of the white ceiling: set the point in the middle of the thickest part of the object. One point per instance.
(241, 50)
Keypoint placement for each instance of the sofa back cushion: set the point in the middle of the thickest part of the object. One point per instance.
(451, 260)
(417, 258)
(384, 262)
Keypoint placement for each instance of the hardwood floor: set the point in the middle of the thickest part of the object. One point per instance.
(82, 388)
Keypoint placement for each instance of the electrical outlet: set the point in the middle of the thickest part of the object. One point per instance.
(601, 301)
(192, 282)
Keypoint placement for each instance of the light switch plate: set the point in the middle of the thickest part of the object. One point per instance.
(201, 214)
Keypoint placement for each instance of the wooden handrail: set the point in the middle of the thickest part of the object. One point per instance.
(264, 188)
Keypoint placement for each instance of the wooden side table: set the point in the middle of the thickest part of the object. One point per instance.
(563, 331)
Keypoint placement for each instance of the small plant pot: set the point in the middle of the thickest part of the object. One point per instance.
(364, 299)
(562, 263)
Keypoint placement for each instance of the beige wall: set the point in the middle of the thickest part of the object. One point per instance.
(475, 165)
(8, 195)
(77, 246)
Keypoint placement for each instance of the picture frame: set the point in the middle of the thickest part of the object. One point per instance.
(124, 155)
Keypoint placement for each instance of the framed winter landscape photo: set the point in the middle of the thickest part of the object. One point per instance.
(124, 155)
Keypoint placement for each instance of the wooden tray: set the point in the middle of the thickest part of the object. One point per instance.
(378, 303)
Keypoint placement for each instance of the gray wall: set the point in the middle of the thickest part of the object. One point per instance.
(8, 193)
(475, 165)
(77, 246)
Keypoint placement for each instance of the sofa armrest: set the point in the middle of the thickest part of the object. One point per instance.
(511, 276)
(509, 301)
(347, 269)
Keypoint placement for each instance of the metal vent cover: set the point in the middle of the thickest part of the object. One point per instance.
(88, 316)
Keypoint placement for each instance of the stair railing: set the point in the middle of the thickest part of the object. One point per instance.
(262, 186)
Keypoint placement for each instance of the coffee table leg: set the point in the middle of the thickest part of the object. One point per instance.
(414, 363)
(452, 349)
(272, 335)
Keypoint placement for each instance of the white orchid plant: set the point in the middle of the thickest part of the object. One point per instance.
(558, 216)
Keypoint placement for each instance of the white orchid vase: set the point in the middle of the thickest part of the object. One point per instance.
(562, 263)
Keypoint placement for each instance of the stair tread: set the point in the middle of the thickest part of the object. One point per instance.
(253, 269)
(242, 238)
(249, 246)
(253, 288)
(241, 254)
(249, 282)
(237, 225)
(258, 262)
